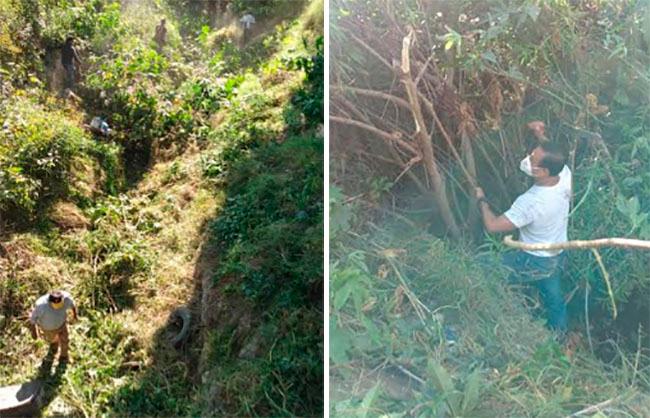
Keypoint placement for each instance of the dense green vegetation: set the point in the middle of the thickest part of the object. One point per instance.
(215, 149)
(405, 145)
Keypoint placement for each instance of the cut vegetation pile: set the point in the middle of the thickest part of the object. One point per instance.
(429, 98)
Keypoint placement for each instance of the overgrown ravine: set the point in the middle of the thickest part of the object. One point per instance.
(135, 230)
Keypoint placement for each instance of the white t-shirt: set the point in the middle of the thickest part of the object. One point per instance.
(46, 316)
(247, 20)
(542, 214)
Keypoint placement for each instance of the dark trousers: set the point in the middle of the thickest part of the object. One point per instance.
(543, 273)
(70, 74)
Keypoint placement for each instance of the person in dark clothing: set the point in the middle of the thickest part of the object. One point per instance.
(161, 35)
(70, 60)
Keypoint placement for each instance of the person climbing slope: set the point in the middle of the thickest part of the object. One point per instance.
(50, 314)
(541, 215)
(70, 60)
(161, 35)
(247, 21)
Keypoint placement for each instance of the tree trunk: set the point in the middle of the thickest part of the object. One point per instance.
(468, 154)
(424, 141)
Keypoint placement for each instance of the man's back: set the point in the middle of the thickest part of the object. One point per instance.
(67, 54)
(542, 213)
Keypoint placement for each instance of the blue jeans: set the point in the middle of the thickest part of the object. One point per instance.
(544, 273)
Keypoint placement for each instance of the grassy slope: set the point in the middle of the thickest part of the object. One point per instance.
(156, 232)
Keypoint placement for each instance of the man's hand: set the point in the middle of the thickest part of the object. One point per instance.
(33, 330)
(75, 318)
(537, 126)
(479, 193)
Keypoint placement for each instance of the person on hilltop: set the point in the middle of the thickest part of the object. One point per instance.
(70, 60)
(49, 318)
(247, 21)
(541, 215)
(161, 34)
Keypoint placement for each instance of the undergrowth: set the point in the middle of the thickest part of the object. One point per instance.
(395, 293)
(481, 70)
(118, 220)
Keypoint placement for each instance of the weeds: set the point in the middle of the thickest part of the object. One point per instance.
(132, 258)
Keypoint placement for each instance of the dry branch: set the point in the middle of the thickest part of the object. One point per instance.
(593, 408)
(437, 181)
(580, 244)
(394, 137)
(378, 94)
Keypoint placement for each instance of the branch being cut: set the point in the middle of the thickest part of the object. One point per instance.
(394, 137)
(378, 94)
(580, 244)
(422, 136)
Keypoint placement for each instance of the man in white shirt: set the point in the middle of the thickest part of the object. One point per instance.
(541, 214)
(247, 21)
(50, 314)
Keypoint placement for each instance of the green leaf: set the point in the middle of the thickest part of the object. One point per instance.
(342, 295)
(449, 44)
(441, 378)
(367, 401)
(471, 396)
(621, 98)
(340, 342)
(373, 331)
(489, 56)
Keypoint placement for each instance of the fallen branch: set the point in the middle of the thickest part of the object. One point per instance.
(593, 408)
(580, 244)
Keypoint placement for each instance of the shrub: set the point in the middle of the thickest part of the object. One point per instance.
(36, 150)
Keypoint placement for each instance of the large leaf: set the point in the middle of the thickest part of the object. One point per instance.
(471, 396)
(340, 342)
(367, 401)
(441, 378)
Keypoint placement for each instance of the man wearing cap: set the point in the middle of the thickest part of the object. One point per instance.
(541, 216)
(50, 314)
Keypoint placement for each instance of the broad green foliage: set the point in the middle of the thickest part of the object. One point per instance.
(271, 235)
(74, 19)
(309, 99)
(275, 215)
(394, 292)
(264, 8)
(37, 146)
(203, 97)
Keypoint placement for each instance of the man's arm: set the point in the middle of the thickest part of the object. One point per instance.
(72, 306)
(33, 330)
(492, 222)
(32, 324)
(76, 56)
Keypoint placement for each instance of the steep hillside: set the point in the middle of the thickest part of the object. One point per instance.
(207, 194)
